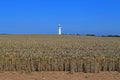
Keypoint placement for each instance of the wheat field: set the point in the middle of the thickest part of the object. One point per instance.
(71, 53)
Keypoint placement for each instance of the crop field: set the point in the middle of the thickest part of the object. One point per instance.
(32, 53)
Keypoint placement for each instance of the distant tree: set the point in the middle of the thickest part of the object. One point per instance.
(90, 35)
(110, 36)
(78, 34)
(3, 34)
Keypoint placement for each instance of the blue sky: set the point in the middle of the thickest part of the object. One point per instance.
(99, 17)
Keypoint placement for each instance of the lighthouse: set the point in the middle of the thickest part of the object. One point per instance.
(59, 29)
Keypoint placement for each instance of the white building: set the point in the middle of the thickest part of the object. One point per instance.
(59, 29)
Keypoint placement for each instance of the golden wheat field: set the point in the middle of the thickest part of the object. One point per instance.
(71, 53)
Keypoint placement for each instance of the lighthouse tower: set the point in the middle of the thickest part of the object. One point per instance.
(59, 29)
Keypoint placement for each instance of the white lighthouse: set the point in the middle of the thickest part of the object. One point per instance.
(59, 29)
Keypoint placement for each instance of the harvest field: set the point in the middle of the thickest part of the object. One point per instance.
(69, 53)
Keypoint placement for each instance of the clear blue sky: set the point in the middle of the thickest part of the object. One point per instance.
(75, 16)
